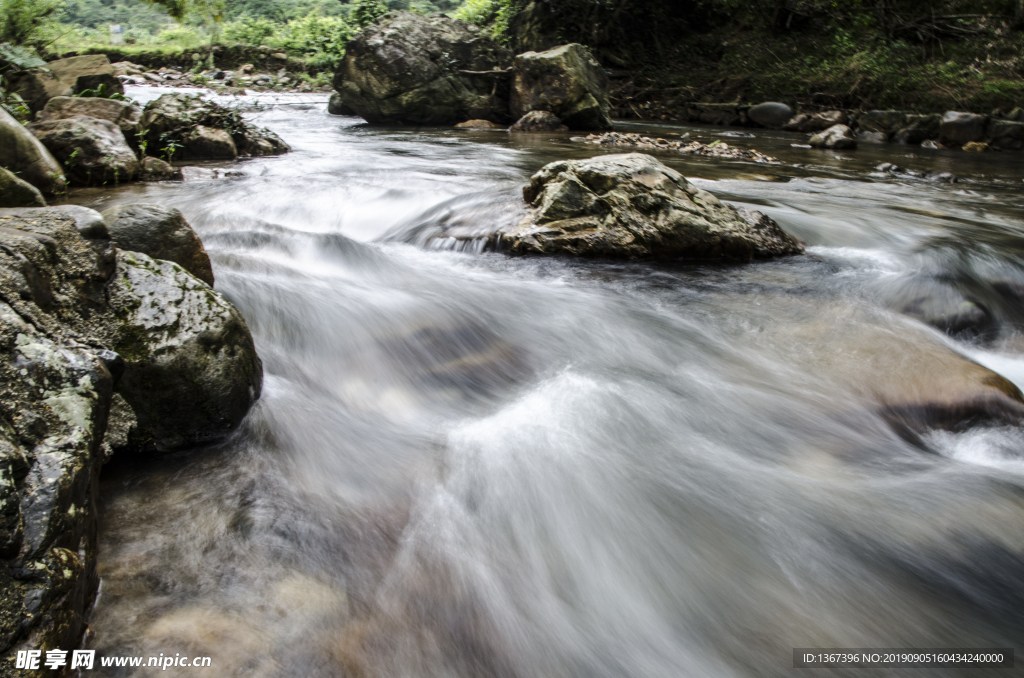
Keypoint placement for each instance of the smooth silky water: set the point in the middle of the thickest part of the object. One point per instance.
(466, 464)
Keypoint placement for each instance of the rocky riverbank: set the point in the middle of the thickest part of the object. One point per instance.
(103, 350)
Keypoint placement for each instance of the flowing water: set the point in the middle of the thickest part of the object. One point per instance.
(465, 464)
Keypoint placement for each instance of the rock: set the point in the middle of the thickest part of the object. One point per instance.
(770, 114)
(1006, 135)
(479, 124)
(872, 137)
(932, 144)
(566, 81)
(885, 122)
(933, 176)
(203, 129)
(824, 120)
(155, 169)
(942, 306)
(336, 105)
(125, 68)
(208, 142)
(64, 78)
(976, 147)
(17, 193)
(23, 154)
(88, 222)
(191, 370)
(1016, 115)
(626, 206)
(93, 151)
(918, 129)
(957, 129)
(419, 70)
(836, 137)
(124, 114)
(798, 123)
(538, 121)
(160, 232)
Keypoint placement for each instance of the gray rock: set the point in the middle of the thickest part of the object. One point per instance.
(1006, 135)
(872, 137)
(538, 121)
(191, 370)
(23, 154)
(798, 123)
(825, 119)
(17, 193)
(65, 77)
(957, 129)
(93, 151)
(770, 114)
(566, 81)
(155, 169)
(419, 70)
(942, 306)
(629, 206)
(337, 106)
(160, 232)
(918, 129)
(88, 222)
(837, 137)
(186, 119)
(124, 114)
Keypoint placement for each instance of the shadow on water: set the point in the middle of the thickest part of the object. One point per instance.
(465, 464)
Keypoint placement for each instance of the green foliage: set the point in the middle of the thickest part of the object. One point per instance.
(28, 22)
(479, 12)
(138, 16)
(367, 12)
(250, 31)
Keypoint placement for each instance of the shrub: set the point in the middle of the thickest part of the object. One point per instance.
(367, 12)
(28, 22)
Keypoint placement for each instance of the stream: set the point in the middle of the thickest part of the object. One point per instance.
(467, 464)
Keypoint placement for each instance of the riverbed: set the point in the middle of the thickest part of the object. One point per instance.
(467, 464)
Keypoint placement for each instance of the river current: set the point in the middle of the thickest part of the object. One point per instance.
(466, 464)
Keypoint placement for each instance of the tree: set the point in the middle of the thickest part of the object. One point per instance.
(23, 22)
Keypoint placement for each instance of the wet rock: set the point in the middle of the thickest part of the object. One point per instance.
(566, 81)
(942, 306)
(419, 70)
(88, 222)
(770, 114)
(124, 114)
(872, 137)
(539, 121)
(23, 154)
(199, 126)
(957, 129)
(1006, 135)
(884, 122)
(932, 144)
(479, 124)
(919, 128)
(65, 77)
(337, 106)
(160, 232)
(155, 169)
(17, 193)
(824, 120)
(933, 176)
(837, 137)
(191, 370)
(798, 123)
(627, 206)
(976, 147)
(92, 151)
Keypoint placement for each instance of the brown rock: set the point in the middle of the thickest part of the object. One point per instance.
(539, 121)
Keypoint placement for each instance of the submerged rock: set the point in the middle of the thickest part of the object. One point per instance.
(159, 232)
(567, 81)
(17, 193)
(23, 154)
(627, 206)
(418, 70)
(539, 121)
(93, 151)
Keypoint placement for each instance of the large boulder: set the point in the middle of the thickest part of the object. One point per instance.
(882, 122)
(124, 114)
(822, 120)
(918, 129)
(23, 154)
(160, 232)
(191, 370)
(770, 114)
(418, 70)
(336, 105)
(93, 151)
(631, 205)
(15, 192)
(566, 81)
(199, 129)
(65, 77)
(957, 129)
(836, 137)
